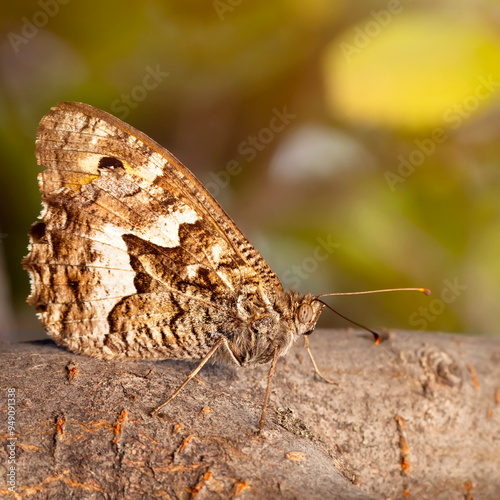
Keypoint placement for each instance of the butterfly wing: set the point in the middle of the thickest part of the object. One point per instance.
(133, 256)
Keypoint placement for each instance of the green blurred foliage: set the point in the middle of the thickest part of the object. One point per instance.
(388, 149)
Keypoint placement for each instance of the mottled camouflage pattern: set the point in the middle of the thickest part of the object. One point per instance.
(134, 258)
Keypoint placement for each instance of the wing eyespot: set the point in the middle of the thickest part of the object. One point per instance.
(110, 162)
(37, 232)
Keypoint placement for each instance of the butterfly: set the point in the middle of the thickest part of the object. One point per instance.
(133, 258)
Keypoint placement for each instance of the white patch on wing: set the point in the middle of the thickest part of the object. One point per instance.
(162, 230)
(226, 278)
(112, 235)
(88, 162)
(192, 270)
(150, 170)
(217, 251)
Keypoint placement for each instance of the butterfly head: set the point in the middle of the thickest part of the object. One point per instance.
(307, 315)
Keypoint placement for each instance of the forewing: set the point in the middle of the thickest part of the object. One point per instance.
(133, 256)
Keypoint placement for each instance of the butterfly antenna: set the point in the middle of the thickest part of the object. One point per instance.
(423, 290)
(375, 334)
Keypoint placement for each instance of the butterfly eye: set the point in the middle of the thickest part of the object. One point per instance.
(305, 313)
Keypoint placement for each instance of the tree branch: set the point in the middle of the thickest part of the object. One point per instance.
(419, 413)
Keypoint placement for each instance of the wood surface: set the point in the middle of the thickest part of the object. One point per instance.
(417, 416)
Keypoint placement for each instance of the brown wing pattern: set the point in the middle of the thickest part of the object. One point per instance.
(133, 256)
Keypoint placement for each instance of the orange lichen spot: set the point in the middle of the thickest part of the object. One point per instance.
(176, 467)
(404, 446)
(28, 491)
(206, 410)
(298, 456)
(473, 374)
(40, 487)
(399, 420)
(185, 443)
(468, 488)
(239, 487)
(86, 487)
(72, 371)
(178, 427)
(117, 428)
(406, 493)
(28, 447)
(60, 424)
(497, 396)
(201, 483)
(147, 438)
(93, 425)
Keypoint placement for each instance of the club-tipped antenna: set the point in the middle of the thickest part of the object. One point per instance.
(374, 333)
(423, 290)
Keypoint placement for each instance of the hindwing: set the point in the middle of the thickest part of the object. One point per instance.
(133, 257)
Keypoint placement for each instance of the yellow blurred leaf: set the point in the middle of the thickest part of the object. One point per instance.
(412, 70)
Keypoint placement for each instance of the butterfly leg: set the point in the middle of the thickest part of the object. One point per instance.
(268, 389)
(193, 373)
(316, 369)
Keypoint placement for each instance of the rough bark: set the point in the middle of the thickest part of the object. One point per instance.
(417, 415)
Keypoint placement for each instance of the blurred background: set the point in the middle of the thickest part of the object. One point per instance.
(356, 144)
